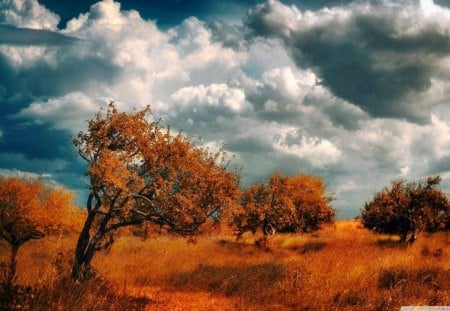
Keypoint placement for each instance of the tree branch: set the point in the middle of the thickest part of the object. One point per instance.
(138, 196)
(123, 224)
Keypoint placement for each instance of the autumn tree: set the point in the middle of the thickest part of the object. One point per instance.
(30, 209)
(406, 208)
(140, 172)
(283, 204)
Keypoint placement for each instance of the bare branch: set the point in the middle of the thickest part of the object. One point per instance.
(140, 212)
(138, 196)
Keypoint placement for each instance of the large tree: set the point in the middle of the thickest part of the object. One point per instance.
(30, 209)
(407, 207)
(140, 172)
(283, 204)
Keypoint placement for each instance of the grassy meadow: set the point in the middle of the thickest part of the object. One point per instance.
(341, 267)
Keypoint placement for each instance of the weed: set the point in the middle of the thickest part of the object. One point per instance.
(391, 278)
(349, 298)
(242, 281)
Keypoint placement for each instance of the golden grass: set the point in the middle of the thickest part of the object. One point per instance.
(341, 267)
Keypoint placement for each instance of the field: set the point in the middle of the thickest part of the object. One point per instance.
(341, 267)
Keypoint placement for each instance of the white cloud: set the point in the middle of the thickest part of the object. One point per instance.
(48, 178)
(26, 57)
(264, 55)
(284, 81)
(28, 14)
(198, 51)
(66, 112)
(23, 174)
(317, 151)
(212, 95)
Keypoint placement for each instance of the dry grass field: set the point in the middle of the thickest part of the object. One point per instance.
(341, 267)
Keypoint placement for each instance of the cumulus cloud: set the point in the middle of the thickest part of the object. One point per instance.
(385, 57)
(280, 93)
(356, 93)
(211, 95)
(27, 14)
(319, 152)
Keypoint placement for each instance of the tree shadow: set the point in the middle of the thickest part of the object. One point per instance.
(312, 247)
(243, 247)
(234, 245)
(389, 243)
(228, 281)
(309, 247)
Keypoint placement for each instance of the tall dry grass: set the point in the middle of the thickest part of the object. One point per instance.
(341, 267)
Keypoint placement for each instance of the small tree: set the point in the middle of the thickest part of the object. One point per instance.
(283, 204)
(29, 210)
(407, 208)
(138, 172)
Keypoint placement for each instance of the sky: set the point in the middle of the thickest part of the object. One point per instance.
(356, 92)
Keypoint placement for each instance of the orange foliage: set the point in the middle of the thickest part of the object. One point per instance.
(140, 172)
(408, 207)
(285, 204)
(30, 209)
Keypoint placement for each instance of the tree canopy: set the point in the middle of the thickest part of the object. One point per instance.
(139, 171)
(283, 204)
(407, 207)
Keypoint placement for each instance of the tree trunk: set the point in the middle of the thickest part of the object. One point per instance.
(12, 273)
(84, 252)
(413, 237)
(82, 270)
(403, 236)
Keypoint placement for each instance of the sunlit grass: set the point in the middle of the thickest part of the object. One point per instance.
(340, 267)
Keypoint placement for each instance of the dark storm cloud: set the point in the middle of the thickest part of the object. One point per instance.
(42, 149)
(33, 147)
(443, 3)
(35, 141)
(249, 144)
(37, 65)
(361, 55)
(12, 97)
(20, 87)
(25, 36)
(72, 73)
(440, 166)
